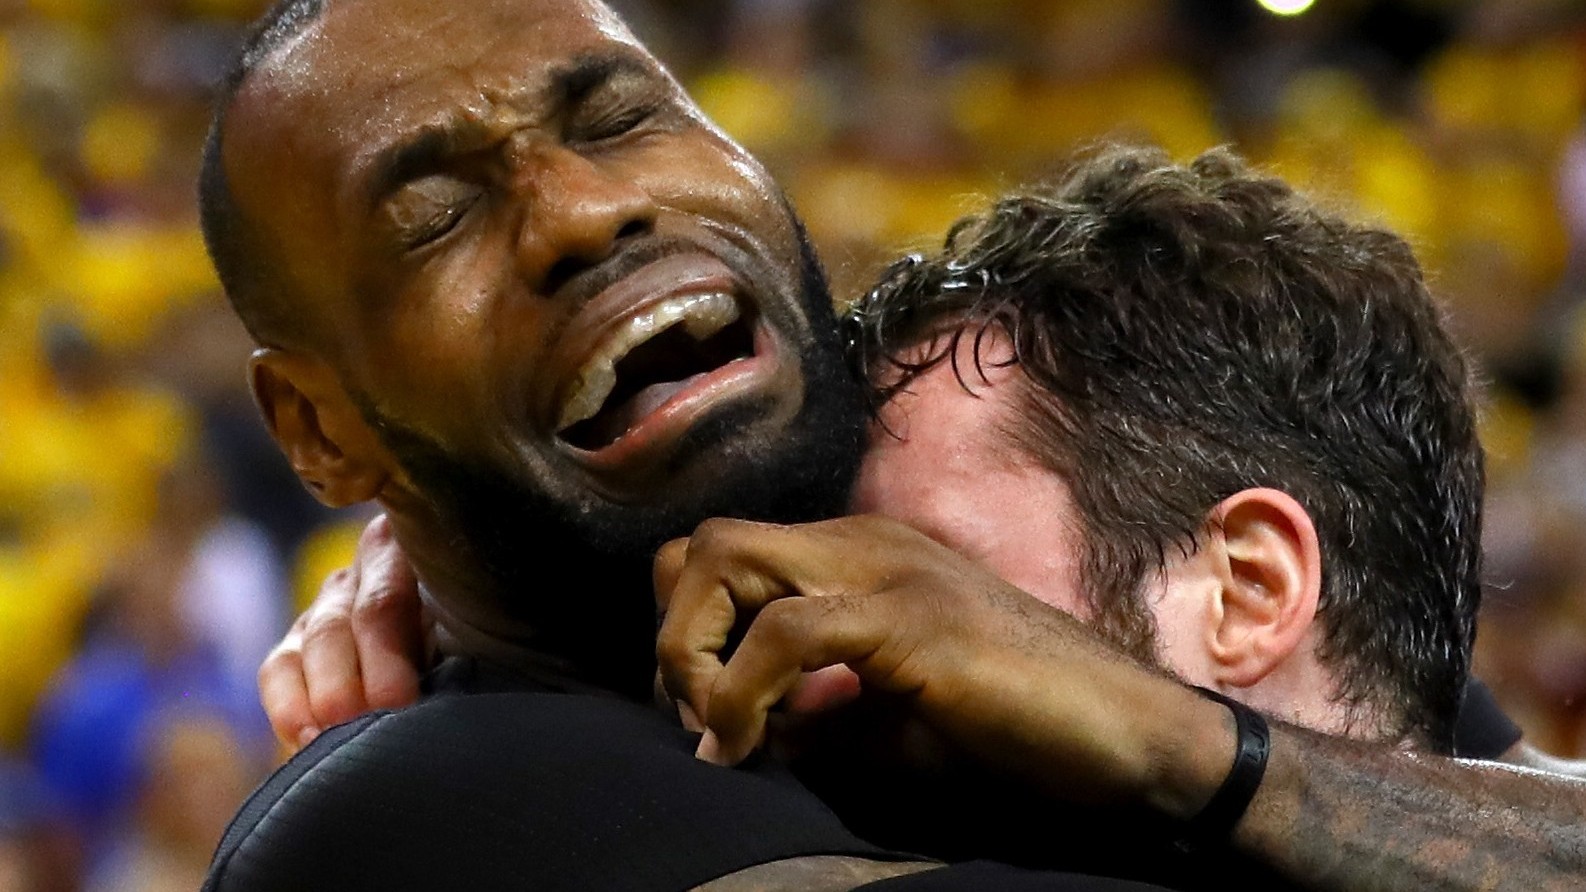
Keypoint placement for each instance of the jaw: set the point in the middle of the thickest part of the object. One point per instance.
(778, 445)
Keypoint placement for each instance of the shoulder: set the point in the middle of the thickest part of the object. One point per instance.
(551, 791)
(990, 875)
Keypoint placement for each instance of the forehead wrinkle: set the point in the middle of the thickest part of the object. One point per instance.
(348, 69)
(483, 115)
(382, 164)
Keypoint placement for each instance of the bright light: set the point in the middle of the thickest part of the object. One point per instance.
(1286, 7)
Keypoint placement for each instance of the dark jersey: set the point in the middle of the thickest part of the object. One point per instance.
(1483, 730)
(537, 790)
(521, 791)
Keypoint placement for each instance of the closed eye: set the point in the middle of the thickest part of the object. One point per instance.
(617, 125)
(614, 100)
(603, 124)
(426, 209)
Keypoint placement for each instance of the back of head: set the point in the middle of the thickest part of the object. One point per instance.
(1196, 330)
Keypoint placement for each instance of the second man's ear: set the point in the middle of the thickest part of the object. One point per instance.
(1267, 553)
(318, 427)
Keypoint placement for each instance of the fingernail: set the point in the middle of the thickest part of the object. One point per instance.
(689, 717)
(306, 737)
(709, 748)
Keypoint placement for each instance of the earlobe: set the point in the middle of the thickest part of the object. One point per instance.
(317, 427)
(1272, 579)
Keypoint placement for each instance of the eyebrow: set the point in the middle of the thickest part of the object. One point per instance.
(422, 152)
(575, 82)
(431, 145)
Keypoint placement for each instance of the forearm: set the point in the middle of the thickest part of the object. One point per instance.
(1341, 814)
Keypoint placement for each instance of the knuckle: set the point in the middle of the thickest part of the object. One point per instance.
(338, 581)
(708, 695)
(720, 531)
(325, 626)
(671, 646)
(709, 534)
(731, 712)
(779, 623)
(282, 661)
(378, 604)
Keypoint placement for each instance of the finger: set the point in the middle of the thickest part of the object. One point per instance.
(718, 579)
(387, 621)
(330, 660)
(790, 637)
(665, 571)
(822, 691)
(702, 610)
(666, 703)
(284, 695)
(689, 644)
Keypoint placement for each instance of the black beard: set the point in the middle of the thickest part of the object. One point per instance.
(604, 623)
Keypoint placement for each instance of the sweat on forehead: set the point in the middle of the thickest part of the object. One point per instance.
(364, 67)
(403, 34)
(362, 72)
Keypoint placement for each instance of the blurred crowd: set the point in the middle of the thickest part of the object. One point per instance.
(153, 545)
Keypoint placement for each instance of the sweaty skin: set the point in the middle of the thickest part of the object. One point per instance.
(1008, 679)
(1331, 814)
(478, 216)
(461, 204)
(914, 618)
(474, 215)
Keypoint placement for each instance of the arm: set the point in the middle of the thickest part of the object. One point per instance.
(1018, 685)
(1342, 814)
(1331, 814)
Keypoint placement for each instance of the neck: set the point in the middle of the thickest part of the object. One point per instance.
(598, 631)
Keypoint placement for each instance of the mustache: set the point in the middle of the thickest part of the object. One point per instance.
(579, 286)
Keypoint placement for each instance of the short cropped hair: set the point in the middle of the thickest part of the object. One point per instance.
(1189, 331)
(248, 263)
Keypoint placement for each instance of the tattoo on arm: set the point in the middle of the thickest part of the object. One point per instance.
(1342, 814)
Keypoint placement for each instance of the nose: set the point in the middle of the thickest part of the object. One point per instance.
(577, 214)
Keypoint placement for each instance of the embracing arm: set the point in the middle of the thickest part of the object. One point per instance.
(1342, 814)
(1027, 689)
(1330, 814)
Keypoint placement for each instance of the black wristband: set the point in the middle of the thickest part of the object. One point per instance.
(1217, 819)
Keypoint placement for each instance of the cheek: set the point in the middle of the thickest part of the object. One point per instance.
(701, 173)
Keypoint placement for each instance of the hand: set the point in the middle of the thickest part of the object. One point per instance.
(359, 646)
(1001, 676)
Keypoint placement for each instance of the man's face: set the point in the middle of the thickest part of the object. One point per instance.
(541, 272)
(940, 460)
(943, 460)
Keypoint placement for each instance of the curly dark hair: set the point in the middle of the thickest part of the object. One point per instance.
(1194, 330)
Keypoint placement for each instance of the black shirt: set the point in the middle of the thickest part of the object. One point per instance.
(1483, 730)
(540, 790)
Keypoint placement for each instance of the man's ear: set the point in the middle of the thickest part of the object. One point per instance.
(318, 427)
(1263, 545)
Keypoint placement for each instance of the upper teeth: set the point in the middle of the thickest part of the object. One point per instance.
(702, 316)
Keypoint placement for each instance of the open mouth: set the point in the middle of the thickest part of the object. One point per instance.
(651, 358)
